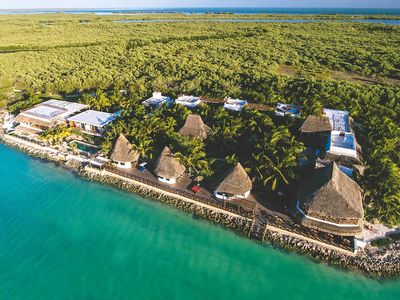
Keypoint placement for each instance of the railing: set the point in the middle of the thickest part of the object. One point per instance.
(25, 138)
(289, 225)
(234, 208)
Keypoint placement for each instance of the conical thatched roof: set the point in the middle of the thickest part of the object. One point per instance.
(316, 124)
(195, 127)
(330, 195)
(168, 166)
(235, 182)
(123, 151)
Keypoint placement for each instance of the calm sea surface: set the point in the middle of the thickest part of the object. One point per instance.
(375, 21)
(65, 238)
(234, 10)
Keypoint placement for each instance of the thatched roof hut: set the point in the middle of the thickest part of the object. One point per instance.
(316, 124)
(195, 127)
(123, 151)
(330, 201)
(235, 182)
(167, 166)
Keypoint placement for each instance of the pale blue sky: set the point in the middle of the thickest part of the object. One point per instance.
(13, 4)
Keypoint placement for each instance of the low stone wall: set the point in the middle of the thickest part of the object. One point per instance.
(31, 148)
(372, 261)
(229, 220)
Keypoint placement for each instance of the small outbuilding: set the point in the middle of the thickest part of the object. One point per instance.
(315, 133)
(168, 169)
(195, 127)
(235, 184)
(157, 100)
(123, 155)
(188, 101)
(315, 124)
(330, 201)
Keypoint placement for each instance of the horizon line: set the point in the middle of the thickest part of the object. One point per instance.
(189, 7)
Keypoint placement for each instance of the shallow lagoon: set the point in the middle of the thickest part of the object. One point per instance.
(65, 238)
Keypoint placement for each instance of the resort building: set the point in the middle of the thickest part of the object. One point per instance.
(291, 110)
(342, 141)
(46, 115)
(315, 132)
(168, 169)
(195, 127)
(236, 184)
(234, 104)
(157, 100)
(92, 122)
(329, 201)
(188, 101)
(123, 155)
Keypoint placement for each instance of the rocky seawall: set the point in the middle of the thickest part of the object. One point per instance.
(372, 261)
(229, 220)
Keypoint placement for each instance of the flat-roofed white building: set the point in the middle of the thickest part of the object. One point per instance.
(188, 101)
(342, 141)
(235, 104)
(292, 110)
(47, 114)
(157, 100)
(92, 122)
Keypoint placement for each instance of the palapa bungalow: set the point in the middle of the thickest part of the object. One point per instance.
(123, 155)
(236, 184)
(329, 201)
(315, 132)
(46, 115)
(195, 127)
(168, 169)
(92, 122)
(315, 124)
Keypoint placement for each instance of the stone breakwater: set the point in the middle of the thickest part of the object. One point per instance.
(371, 261)
(229, 220)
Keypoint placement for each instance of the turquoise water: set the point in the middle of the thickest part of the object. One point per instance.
(65, 238)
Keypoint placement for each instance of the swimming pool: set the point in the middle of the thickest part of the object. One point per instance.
(85, 147)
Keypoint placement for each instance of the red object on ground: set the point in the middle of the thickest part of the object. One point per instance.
(195, 189)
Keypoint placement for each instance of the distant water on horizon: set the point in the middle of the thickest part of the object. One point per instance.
(62, 237)
(234, 10)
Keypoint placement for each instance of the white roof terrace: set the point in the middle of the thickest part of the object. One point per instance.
(343, 144)
(94, 118)
(339, 119)
(157, 100)
(188, 101)
(52, 110)
(234, 104)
